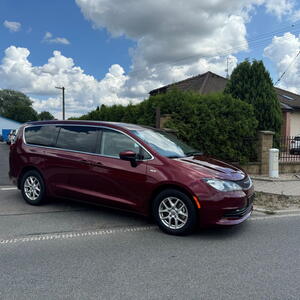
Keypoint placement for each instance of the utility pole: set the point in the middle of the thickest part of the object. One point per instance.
(63, 99)
(228, 60)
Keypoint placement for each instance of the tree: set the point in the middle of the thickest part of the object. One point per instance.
(45, 115)
(16, 106)
(251, 82)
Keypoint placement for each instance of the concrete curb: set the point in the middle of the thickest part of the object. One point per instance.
(277, 212)
(269, 203)
(268, 179)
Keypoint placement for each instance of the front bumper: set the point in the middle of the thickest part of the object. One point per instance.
(234, 220)
(220, 213)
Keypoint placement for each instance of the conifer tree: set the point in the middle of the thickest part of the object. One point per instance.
(251, 82)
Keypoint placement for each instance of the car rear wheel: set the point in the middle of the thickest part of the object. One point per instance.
(174, 212)
(33, 188)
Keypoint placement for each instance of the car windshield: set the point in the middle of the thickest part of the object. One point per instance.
(165, 144)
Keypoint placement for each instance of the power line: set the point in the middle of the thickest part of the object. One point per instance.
(292, 62)
(255, 42)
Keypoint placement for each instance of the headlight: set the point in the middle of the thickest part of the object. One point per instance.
(223, 185)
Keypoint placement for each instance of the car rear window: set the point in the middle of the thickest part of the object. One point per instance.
(41, 135)
(78, 138)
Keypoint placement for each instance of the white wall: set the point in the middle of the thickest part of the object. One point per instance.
(8, 124)
(295, 123)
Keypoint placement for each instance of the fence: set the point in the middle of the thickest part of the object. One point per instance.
(289, 149)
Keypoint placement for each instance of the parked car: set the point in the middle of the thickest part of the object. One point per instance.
(11, 136)
(295, 145)
(129, 167)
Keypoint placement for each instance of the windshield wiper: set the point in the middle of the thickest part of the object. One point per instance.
(192, 153)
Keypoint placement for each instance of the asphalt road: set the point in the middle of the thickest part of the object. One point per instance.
(258, 260)
(20, 219)
(4, 150)
(65, 250)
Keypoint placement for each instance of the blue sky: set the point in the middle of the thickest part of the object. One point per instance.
(94, 50)
(114, 51)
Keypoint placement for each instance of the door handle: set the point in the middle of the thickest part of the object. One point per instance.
(91, 163)
(97, 164)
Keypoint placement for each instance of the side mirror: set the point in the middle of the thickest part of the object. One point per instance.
(129, 156)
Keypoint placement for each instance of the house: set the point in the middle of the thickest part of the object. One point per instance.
(210, 82)
(6, 125)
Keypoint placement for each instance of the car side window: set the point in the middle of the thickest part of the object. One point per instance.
(78, 138)
(114, 142)
(41, 135)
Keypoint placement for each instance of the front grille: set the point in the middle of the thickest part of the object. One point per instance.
(245, 184)
(239, 213)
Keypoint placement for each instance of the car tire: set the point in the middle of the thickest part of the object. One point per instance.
(33, 188)
(174, 212)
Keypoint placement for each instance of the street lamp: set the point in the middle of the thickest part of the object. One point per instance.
(63, 99)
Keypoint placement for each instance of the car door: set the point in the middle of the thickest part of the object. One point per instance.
(116, 181)
(68, 164)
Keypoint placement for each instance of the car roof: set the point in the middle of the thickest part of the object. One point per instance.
(127, 126)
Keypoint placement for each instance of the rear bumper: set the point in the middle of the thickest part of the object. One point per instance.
(13, 180)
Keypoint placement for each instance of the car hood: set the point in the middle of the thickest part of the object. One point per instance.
(209, 167)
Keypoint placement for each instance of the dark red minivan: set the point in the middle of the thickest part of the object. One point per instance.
(129, 167)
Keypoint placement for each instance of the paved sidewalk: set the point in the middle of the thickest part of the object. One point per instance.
(284, 187)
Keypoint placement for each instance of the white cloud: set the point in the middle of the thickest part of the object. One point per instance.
(168, 32)
(296, 16)
(83, 92)
(12, 26)
(48, 38)
(282, 52)
(280, 7)
(173, 41)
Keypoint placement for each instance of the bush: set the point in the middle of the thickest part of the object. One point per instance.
(216, 124)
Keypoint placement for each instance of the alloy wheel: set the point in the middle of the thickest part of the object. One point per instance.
(173, 213)
(32, 188)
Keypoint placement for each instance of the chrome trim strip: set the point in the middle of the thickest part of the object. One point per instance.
(84, 125)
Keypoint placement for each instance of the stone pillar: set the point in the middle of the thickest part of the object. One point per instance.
(164, 119)
(286, 126)
(265, 142)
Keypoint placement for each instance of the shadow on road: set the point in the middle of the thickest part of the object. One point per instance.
(221, 232)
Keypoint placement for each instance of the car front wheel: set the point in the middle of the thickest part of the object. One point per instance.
(174, 212)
